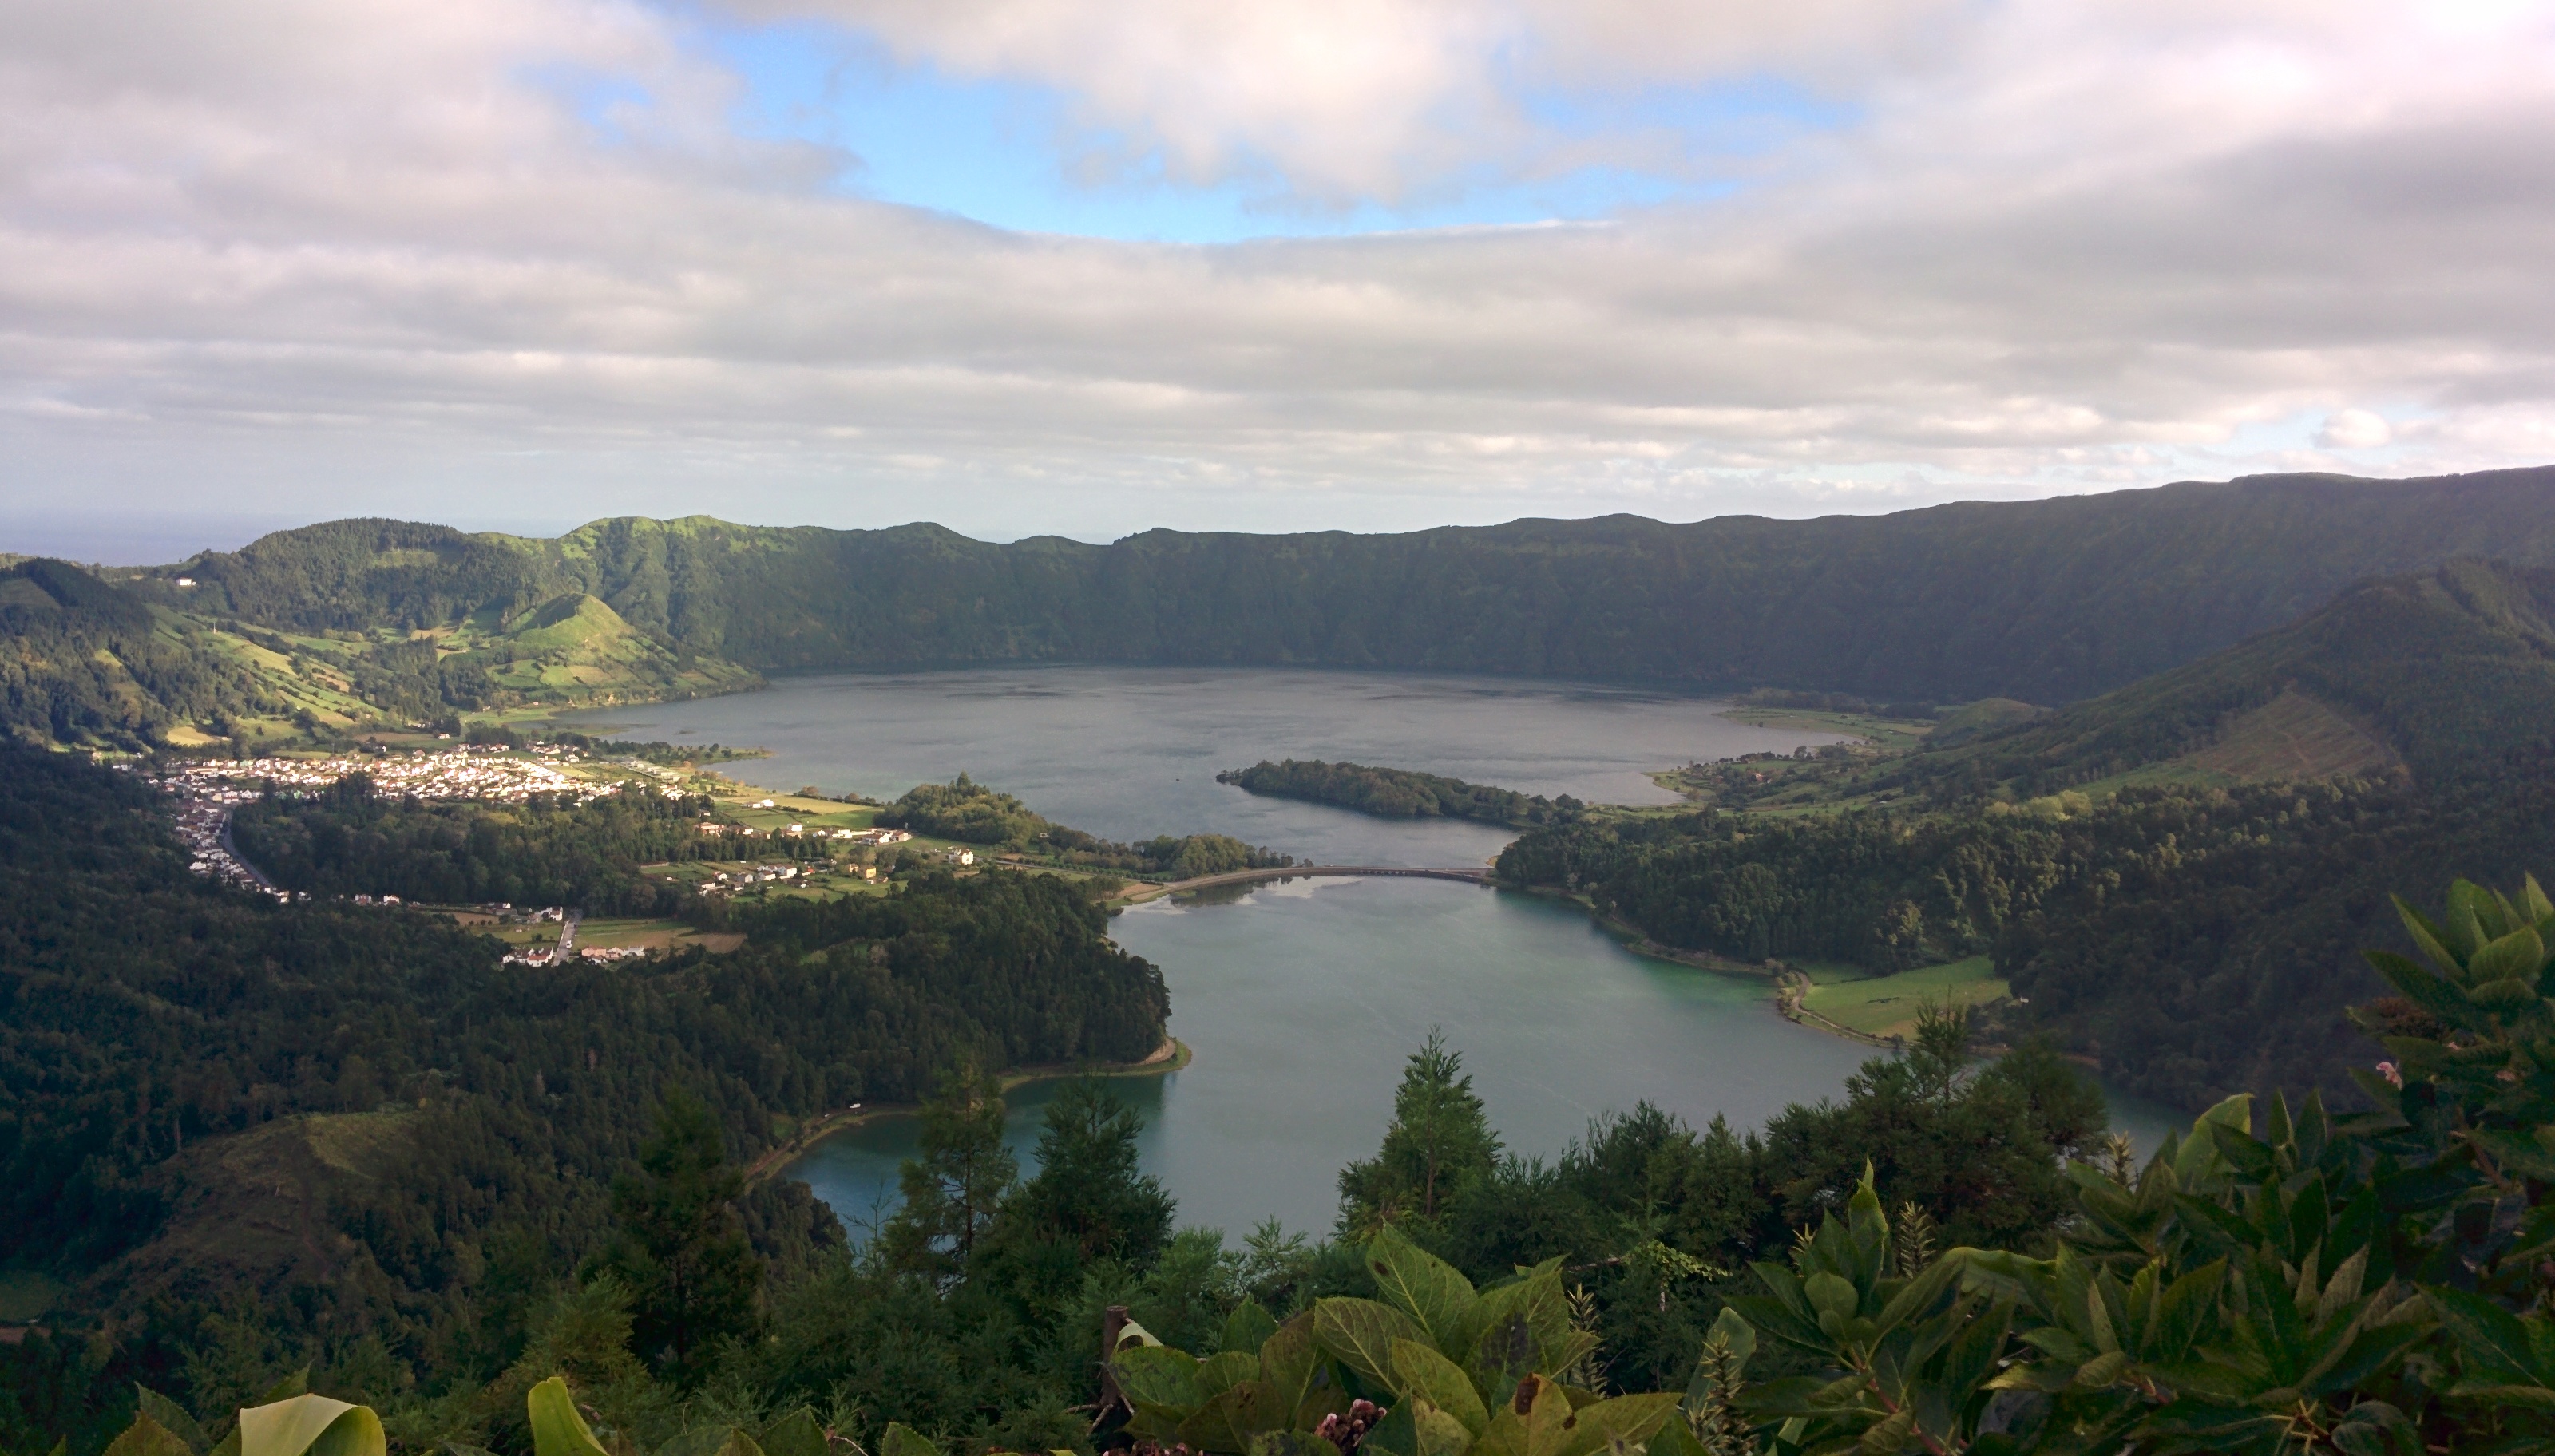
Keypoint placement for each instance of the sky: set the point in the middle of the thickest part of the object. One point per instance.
(1089, 266)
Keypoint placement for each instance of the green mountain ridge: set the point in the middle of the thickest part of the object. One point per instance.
(2043, 602)
(2047, 601)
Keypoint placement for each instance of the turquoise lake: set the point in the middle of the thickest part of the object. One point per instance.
(1301, 999)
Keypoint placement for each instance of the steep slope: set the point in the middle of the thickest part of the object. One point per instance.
(2045, 601)
(84, 662)
(2436, 668)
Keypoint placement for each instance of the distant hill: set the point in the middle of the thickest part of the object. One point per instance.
(2038, 602)
(2043, 601)
(2431, 670)
(90, 662)
(81, 660)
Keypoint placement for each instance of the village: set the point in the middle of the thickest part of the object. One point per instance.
(475, 770)
(857, 855)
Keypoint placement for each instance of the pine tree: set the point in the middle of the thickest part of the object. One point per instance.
(1088, 1194)
(692, 1276)
(1439, 1137)
(955, 1187)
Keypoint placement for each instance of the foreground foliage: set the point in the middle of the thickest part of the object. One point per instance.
(2296, 1282)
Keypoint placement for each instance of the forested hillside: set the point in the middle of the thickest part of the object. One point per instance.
(2443, 668)
(352, 1130)
(2194, 932)
(84, 662)
(2045, 601)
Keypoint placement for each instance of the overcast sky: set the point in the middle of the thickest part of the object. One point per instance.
(1091, 266)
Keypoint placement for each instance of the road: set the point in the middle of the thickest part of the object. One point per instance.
(241, 860)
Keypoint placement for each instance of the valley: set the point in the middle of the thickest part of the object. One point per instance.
(531, 926)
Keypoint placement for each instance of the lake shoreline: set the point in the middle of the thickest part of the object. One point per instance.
(1172, 1056)
(1790, 988)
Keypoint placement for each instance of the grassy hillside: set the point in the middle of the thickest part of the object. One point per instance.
(2042, 601)
(100, 664)
(576, 649)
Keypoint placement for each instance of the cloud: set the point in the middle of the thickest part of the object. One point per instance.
(2354, 430)
(338, 254)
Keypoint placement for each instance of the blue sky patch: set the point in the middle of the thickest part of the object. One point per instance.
(1011, 153)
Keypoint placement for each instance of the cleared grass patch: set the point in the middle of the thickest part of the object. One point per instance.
(2294, 736)
(1885, 1005)
(654, 935)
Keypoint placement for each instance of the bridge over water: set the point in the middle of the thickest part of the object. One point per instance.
(1473, 875)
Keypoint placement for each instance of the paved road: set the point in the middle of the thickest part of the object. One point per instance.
(241, 860)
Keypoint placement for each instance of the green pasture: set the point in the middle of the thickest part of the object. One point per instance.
(1885, 1005)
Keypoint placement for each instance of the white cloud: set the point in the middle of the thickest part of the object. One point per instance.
(2354, 430)
(483, 249)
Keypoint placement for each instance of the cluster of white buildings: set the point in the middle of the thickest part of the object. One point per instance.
(460, 773)
(801, 831)
(203, 813)
(729, 882)
(543, 956)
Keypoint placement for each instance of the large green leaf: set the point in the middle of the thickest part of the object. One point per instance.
(2517, 956)
(2199, 1156)
(1419, 1371)
(1630, 1419)
(1358, 1333)
(1534, 1296)
(1291, 1357)
(901, 1439)
(1247, 1327)
(1235, 1417)
(146, 1438)
(1160, 1377)
(1549, 1418)
(557, 1428)
(1440, 1433)
(2494, 1343)
(1225, 1371)
(172, 1417)
(1426, 1287)
(313, 1424)
(797, 1435)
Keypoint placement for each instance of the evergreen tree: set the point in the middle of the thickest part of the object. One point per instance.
(692, 1276)
(953, 1190)
(1088, 1195)
(1439, 1138)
